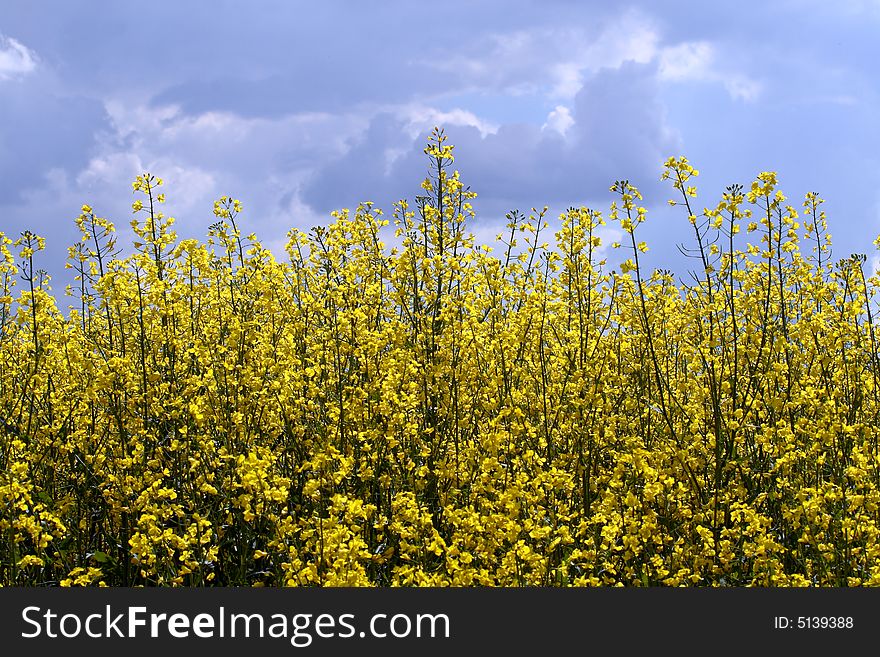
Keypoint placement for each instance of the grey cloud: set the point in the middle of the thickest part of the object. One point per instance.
(42, 130)
(360, 174)
(286, 57)
(346, 61)
(619, 132)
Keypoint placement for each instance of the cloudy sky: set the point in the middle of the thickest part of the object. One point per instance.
(299, 108)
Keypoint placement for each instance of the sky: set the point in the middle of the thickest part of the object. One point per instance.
(301, 108)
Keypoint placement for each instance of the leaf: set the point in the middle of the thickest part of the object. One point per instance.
(101, 557)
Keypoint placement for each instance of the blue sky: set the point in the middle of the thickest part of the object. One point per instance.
(299, 108)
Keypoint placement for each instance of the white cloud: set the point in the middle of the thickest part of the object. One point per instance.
(609, 236)
(528, 61)
(304, 216)
(694, 61)
(422, 117)
(687, 61)
(136, 120)
(16, 60)
(631, 38)
(742, 88)
(568, 80)
(114, 167)
(262, 161)
(220, 140)
(557, 62)
(392, 154)
(560, 120)
(191, 187)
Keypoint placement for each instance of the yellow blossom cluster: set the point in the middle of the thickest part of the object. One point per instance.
(439, 412)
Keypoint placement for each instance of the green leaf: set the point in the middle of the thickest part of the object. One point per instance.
(101, 557)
